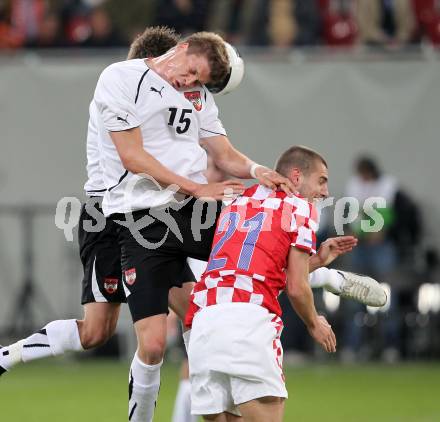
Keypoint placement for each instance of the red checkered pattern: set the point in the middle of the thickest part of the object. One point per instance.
(277, 346)
(249, 263)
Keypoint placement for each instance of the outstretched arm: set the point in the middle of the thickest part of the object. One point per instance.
(301, 298)
(233, 162)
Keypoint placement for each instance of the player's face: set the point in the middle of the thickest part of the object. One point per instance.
(185, 71)
(315, 185)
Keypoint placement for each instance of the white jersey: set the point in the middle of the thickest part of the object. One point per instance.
(95, 179)
(128, 95)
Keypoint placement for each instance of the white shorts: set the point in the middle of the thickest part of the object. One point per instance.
(235, 355)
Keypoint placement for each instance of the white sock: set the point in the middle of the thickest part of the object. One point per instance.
(318, 278)
(143, 389)
(328, 278)
(182, 404)
(55, 338)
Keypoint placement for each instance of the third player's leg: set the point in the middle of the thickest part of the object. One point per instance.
(102, 289)
(179, 299)
(98, 324)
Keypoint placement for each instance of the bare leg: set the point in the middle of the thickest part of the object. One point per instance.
(178, 299)
(61, 336)
(98, 324)
(223, 417)
(265, 409)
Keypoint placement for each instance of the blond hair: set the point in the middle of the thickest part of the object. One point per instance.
(211, 46)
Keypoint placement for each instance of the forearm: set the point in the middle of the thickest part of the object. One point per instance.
(235, 164)
(227, 158)
(303, 304)
(213, 173)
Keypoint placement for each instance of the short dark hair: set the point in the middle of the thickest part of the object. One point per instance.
(299, 157)
(367, 165)
(211, 46)
(153, 42)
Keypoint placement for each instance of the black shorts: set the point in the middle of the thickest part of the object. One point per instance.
(154, 257)
(100, 255)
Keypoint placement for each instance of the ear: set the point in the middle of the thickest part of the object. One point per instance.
(295, 175)
(182, 46)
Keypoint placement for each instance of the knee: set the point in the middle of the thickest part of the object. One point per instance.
(152, 352)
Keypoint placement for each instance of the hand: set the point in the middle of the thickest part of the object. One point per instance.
(219, 191)
(273, 180)
(333, 247)
(323, 334)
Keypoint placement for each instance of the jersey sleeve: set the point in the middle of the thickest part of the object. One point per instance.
(211, 124)
(115, 100)
(304, 225)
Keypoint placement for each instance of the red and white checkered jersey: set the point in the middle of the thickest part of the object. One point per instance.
(250, 249)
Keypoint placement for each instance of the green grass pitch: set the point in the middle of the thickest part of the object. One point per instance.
(87, 390)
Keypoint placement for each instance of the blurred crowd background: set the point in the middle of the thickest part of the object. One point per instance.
(351, 103)
(391, 24)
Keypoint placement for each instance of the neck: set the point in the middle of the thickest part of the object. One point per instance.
(153, 65)
(161, 63)
(160, 67)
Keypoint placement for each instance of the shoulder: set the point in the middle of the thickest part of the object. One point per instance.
(121, 79)
(301, 205)
(302, 210)
(125, 71)
(207, 96)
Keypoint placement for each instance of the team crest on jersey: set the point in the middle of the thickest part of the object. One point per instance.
(130, 276)
(195, 98)
(111, 285)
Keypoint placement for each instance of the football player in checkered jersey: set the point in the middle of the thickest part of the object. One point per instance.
(234, 348)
